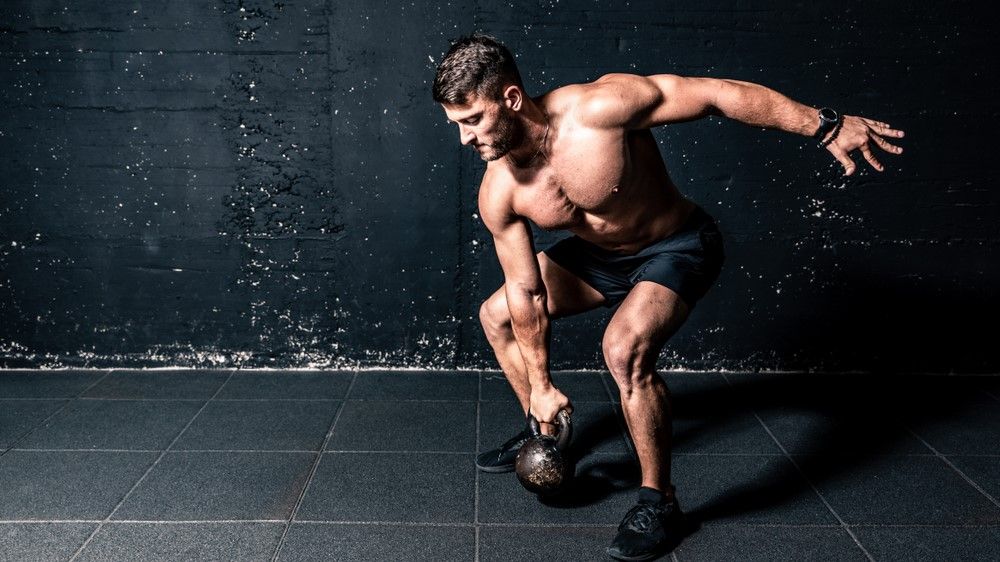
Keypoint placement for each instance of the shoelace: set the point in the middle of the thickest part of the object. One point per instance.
(640, 518)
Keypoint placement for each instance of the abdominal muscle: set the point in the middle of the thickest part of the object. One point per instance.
(623, 221)
(638, 223)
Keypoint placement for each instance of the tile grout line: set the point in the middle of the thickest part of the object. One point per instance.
(431, 524)
(66, 403)
(343, 452)
(383, 523)
(312, 470)
(483, 524)
(63, 399)
(460, 370)
(950, 464)
(929, 526)
(149, 469)
(475, 520)
(822, 498)
(386, 399)
(843, 524)
(436, 452)
(469, 525)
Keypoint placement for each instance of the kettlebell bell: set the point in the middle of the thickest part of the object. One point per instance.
(542, 465)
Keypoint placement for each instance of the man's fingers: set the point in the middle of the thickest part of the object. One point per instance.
(883, 129)
(874, 122)
(867, 152)
(875, 130)
(845, 160)
(887, 132)
(886, 145)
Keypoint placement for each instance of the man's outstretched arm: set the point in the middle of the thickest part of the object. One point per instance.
(647, 101)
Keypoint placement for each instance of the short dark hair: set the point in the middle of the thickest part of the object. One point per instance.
(475, 64)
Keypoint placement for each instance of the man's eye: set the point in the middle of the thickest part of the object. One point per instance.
(472, 121)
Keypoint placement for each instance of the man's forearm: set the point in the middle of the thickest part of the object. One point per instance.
(760, 106)
(530, 323)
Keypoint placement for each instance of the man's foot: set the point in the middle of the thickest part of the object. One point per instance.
(651, 528)
(502, 458)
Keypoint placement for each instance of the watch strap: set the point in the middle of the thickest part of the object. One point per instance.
(833, 135)
(825, 124)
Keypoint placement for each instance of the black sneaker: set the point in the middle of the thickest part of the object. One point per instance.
(649, 529)
(502, 459)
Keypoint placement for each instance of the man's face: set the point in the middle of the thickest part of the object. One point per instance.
(487, 125)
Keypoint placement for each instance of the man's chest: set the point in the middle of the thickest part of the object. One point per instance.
(585, 177)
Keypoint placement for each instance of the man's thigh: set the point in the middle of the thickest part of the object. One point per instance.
(566, 294)
(647, 318)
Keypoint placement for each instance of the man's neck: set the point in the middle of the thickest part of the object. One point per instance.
(536, 130)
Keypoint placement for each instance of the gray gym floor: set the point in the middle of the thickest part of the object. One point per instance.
(225, 465)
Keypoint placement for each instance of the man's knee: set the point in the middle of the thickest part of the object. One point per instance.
(631, 360)
(495, 316)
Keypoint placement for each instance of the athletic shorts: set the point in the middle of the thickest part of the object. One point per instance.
(687, 262)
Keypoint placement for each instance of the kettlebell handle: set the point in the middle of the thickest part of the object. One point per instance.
(562, 434)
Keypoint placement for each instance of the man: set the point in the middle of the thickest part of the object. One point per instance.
(582, 158)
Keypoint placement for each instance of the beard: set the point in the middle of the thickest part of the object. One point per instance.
(509, 134)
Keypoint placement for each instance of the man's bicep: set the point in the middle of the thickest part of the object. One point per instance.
(641, 102)
(683, 98)
(511, 236)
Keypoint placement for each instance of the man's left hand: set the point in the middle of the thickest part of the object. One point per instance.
(859, 133)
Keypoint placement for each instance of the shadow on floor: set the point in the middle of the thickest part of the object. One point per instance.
(831, 425)
(845, 422)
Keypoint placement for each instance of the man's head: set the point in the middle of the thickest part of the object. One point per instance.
(480, 89)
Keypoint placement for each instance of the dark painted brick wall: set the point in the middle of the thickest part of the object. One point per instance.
(269, 183)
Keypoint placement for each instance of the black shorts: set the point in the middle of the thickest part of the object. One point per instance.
(687, 262)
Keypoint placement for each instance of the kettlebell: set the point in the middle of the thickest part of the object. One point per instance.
(542, 465)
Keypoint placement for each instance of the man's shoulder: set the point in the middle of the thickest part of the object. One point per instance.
(598, 103)
(564, 99)
(496, 197)
(570, 93)
(606, 84)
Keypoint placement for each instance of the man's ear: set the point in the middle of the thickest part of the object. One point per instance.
(513, 97)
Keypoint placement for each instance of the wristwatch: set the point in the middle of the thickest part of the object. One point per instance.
(828, 119)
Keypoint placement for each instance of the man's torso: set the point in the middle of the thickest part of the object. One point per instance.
(607, 186)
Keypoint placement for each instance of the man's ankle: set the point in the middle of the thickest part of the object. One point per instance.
(654, 495)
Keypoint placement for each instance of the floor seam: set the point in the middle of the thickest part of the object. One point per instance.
(484, 524)
(312, 470)
(148, 470)
(475, 520)
(59, 410)
(436, 452)
(843, 524)
(958, 471)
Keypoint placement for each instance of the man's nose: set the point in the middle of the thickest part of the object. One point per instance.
(466, 135)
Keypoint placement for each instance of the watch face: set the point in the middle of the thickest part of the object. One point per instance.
(828, 114)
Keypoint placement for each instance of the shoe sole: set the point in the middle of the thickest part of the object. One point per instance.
(689, 528)
(496, 469)
(650, 556)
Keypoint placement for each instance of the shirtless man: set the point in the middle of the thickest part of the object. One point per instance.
(582, 158)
